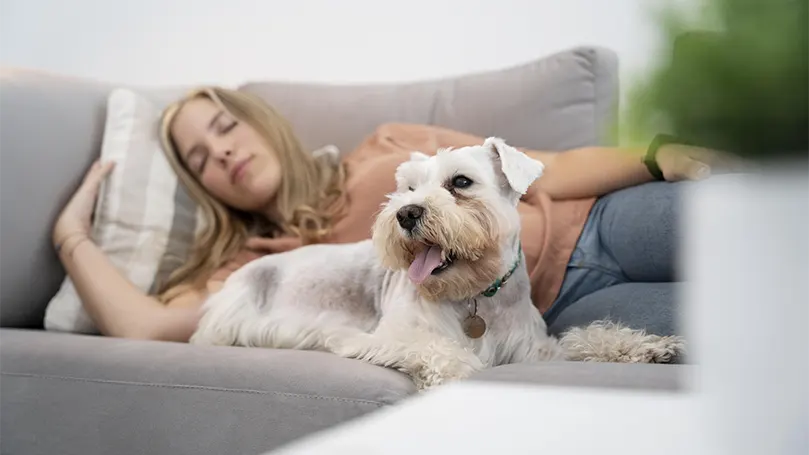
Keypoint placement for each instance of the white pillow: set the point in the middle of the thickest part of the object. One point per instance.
(145, 221)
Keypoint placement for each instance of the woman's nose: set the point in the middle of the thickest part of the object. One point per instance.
(223, 152)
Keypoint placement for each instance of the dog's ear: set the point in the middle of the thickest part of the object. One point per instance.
(518, 168)
(418, 156)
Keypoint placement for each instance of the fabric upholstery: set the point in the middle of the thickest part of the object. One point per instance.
(98, 395)
(51, 132)
(557, 102)
(591, 374)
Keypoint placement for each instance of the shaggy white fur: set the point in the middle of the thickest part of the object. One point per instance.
(399, 300)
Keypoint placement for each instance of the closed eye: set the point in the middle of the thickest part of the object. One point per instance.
(196, 159)
(228, 127)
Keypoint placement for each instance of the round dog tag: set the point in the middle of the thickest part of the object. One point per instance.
(474, 326)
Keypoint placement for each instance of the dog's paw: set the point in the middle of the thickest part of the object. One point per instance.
(669, 349)
(443, 371)
(428, 378)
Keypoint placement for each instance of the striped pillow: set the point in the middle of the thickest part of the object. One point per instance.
(145, 221)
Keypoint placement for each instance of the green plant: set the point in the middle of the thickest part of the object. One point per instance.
(737, 79)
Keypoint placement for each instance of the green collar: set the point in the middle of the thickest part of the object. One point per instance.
(492, 290)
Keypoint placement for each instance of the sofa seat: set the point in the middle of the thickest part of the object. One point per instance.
(178, 398)
(632, 376)
(81, 391)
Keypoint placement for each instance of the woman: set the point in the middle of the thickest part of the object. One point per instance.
(590, 233)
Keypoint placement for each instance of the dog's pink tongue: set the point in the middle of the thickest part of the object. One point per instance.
(425, 262)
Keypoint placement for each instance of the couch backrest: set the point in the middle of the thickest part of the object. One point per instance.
(51, 132)
(557, 102)
(52, 129)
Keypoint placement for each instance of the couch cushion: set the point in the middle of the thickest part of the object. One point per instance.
(557, 102)
(81, 391)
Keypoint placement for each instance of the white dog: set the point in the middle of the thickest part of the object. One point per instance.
(440, 291)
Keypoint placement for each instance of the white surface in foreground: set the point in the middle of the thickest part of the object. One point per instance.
(485, 418)
(747, 305)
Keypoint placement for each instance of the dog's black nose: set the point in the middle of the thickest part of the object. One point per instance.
(408, 215)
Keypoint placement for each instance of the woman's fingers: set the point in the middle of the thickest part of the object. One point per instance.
(96, 174)
(692, 169)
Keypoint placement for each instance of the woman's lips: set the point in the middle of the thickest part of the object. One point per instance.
(239, 170)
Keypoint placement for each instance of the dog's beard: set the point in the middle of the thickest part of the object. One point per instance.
(465, 234)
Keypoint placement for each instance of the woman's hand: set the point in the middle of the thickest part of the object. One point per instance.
(75, 219)
(682, 162)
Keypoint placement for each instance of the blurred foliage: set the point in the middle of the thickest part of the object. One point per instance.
(734, 78)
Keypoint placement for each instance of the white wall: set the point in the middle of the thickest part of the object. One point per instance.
(316, 40)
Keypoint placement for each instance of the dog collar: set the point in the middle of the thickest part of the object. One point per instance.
(492, 290)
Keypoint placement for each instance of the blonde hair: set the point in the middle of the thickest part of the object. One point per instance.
(309, 198)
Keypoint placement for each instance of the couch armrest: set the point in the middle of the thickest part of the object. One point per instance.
(52, 129)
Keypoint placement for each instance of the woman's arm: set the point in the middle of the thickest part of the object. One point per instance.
(590, 171)
(595, 171)
(572, 174)
(120, 309)
(577, 173)
(116, 306)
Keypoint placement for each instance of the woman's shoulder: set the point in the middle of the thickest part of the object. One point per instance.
(400, 139)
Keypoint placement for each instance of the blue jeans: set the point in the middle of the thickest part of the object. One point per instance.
(623, 266)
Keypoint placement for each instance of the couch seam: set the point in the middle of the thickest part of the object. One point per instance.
(195, 387)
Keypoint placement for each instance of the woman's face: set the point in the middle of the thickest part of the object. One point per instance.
(228, 156)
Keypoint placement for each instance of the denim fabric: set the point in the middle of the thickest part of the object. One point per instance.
(630, 237)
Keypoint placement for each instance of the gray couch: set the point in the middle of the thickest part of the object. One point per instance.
(79, 394)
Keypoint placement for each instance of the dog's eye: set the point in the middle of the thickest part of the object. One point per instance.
(461, 181)
(410, 188)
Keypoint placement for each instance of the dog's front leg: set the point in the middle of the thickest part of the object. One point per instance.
(428, 358)
(433, 359)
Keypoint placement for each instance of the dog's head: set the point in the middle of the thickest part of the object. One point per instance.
(450, 214)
